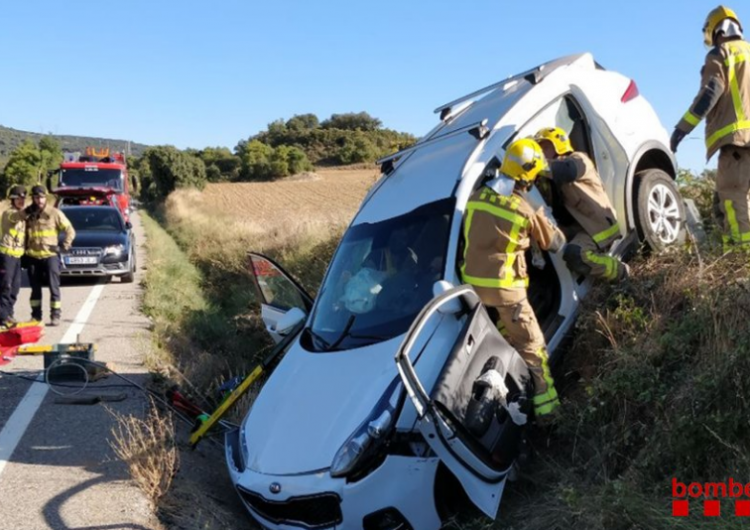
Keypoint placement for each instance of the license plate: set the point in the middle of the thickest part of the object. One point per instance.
(80, 260)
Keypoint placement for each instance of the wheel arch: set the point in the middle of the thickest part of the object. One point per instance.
(650, 155)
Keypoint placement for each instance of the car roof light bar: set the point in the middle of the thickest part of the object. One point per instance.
(533, 76)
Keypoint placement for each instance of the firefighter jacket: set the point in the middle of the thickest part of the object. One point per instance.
(724, 98)
(42, 232)
(13, 227)
(584, 197)
(498, 230)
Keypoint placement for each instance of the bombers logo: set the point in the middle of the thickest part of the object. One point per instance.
(712, 494)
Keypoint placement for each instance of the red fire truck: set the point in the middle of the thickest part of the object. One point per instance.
(97, 177)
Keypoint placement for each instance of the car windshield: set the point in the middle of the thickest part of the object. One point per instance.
(94, 219)
(92, 176)
(380, 278)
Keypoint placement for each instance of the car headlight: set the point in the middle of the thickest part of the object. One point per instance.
(114, 250)
(371, 435)
(244, 451)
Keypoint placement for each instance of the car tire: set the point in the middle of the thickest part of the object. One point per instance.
(130, 276)
(660, 212)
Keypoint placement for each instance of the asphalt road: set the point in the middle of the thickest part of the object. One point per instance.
(62, 474)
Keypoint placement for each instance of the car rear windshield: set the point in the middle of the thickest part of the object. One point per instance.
(85, 218)
(380, 278)
(93, 176)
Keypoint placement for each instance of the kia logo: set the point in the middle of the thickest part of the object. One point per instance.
(275, 487)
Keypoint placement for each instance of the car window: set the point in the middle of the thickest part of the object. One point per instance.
(94, 219)
(380, 278)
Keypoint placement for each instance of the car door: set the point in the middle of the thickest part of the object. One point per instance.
(277, 292)
(462, 417)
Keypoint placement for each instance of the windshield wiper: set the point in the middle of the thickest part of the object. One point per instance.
(318, 338)
(344, 333)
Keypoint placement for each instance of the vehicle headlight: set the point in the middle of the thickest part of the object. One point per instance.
(371, 435)
(114, 250)
(244, 451)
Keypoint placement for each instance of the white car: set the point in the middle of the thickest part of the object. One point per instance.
(374, 412)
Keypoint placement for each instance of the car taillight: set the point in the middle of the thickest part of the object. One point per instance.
(630, 93)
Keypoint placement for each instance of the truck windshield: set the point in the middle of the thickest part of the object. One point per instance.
(89, 177)
(380, 278)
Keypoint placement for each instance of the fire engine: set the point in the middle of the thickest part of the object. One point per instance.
(96, 177)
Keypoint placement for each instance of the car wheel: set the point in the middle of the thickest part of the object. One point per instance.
(130, 276)
(660, 212)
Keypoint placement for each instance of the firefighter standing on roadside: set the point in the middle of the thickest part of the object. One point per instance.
(595, 228)
(43, 227)
(724, 100)
(12, 236)
(498, 228)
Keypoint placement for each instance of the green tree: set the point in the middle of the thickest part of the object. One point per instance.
(298, 161)
(352, 121)
(302, 122)
(356, 149)
(165, 168)
(279, 162)
(23, 166)
(256, 161)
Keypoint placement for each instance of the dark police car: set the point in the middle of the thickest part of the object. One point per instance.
(104, 244)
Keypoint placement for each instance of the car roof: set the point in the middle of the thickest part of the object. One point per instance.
(432, 168)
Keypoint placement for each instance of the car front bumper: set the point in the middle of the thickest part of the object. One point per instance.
(103, 266)
(401, 490)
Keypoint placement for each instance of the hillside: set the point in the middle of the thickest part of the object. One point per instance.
(12, 138)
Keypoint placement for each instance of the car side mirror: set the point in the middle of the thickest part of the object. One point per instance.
(128, 225)
(450, 307)
(289, 321)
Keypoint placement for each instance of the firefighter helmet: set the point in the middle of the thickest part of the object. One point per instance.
(17, 192)
(557, 137)
(523, 161)
(714, 18)
(38, 191)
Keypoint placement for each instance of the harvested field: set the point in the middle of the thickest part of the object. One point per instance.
(330, 193)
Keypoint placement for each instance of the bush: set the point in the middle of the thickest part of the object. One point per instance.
(163, 169)
(356, 149)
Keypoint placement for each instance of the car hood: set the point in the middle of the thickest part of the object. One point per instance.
(312, 404)
(99, 238)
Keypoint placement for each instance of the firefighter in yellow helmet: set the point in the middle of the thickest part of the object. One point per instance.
(594, 228)
(498, 228)
(724, 100)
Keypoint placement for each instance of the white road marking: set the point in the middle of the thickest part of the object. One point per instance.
(19, 421)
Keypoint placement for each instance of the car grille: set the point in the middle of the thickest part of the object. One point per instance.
(318, 511)
(84, 252)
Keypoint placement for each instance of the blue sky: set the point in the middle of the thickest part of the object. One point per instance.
(198, 73)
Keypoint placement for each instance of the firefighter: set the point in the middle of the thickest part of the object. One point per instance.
(498, 229)
(724, 100)
(595, 226)
(44, 225)
(13, 226)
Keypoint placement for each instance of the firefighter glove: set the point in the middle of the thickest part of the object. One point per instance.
(677, 137)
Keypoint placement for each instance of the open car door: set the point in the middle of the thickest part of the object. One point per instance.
(279, 294)
(474, 415)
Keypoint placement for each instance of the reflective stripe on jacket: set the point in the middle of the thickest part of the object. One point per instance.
(724, 98)
(13, 227)
(497, 232)
(42, 233)
(588, 203)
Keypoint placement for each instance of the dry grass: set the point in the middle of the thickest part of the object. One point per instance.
(148, 447)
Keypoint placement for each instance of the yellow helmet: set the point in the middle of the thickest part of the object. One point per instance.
(714, 18)
(523, 161)
(557, 137)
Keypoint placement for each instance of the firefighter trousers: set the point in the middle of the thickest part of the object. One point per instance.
(732, 187)
(583, 256)
(518, 324)
(45, 272)
(10, 284)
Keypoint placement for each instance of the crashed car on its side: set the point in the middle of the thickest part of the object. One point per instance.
(380, 403)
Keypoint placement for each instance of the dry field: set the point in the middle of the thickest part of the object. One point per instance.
(293, 215)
